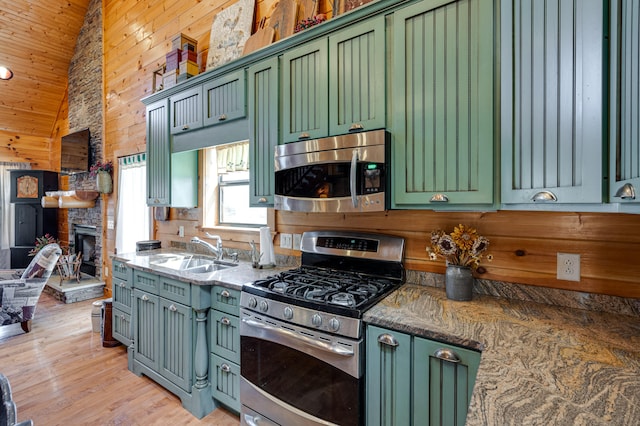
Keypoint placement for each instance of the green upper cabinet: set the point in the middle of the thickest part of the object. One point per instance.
(552, 101)
(304, 92)
(624, 118)
(224, 98)
(357, 77)
(158, 154)
(442, 104)
(186, 110)
(263, 127)
(443, 379)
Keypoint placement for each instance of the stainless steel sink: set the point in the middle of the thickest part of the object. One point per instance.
(194, 264)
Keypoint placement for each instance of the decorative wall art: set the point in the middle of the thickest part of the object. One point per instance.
(229, 32)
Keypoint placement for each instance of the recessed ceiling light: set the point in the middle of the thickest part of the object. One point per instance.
(5, 73)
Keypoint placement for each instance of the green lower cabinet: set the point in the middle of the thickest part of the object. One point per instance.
(225, 386)
(176, 343)
(121, 327)
(415, 381)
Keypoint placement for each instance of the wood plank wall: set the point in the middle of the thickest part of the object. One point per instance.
(138, 34)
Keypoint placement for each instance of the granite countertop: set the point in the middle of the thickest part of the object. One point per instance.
(540, 364)
(232, 277)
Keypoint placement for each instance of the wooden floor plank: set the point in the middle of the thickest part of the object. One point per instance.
(60, 374)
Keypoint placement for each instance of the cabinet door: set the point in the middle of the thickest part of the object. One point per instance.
(158, 154)
(388, 377)
(442, 104)
(121, 327)
(263, 127)
(175, 343)
(224, 98)
(225, 382)
(357, 78)
(624, 139)
(443, 379)
(552, 97)
(305, 92)
(28, 224)
(122, 294)
(225, 336)
(226, 300)
(186, 110)
(146, 332)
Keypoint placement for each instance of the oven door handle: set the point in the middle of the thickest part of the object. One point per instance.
(352, 178)
(286, 334)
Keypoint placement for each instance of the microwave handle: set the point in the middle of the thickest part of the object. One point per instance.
(352, 178)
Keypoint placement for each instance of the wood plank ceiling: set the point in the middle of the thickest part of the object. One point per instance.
(37, 41)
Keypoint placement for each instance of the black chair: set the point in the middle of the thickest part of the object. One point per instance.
(8, 412)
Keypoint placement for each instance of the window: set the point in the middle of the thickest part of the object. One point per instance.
(133, 215)
(226, 188)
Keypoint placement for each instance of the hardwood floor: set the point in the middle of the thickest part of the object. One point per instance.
(60, 374)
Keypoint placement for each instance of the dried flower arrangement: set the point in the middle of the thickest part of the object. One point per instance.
(107, 166)
(463, 246)
(41, 242)
(309, 22)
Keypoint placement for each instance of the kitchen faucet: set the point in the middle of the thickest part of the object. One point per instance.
(217, 249)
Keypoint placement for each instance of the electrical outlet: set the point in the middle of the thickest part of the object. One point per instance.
(568, 267)
(286, 241)
(110, 224)
(296, 241)
(106, 271)
(181, 231)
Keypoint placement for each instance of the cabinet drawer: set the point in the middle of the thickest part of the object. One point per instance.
(226, 300)
(225, 382)
(225, 335)
(122, 294)
(121, 327)
(144, 281)
(225, 99)
(177, 291)
(121, 271)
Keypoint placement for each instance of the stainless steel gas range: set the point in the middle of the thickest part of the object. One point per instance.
(301, 331)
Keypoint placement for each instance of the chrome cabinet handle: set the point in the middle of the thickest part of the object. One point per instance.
(262, 200)
(304, 135)
(356, 127)
(121, 284)
(185, 127)
(439, 198)
(173, 308)
(225, 321)
(388, 339)
(544, 197)
(225, 293)
(225, 367)
(626, 191)
(144, 298)
(447, 355)
(222, 117)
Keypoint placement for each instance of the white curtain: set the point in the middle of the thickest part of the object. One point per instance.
(6, 212)
(133, 215)
(233, 157)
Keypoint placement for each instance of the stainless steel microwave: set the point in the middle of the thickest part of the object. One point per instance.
(339, 174)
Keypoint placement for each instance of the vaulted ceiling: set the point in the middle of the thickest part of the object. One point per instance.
(37, 41)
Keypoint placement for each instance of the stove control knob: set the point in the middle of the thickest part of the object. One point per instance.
(316, 320)
(253, 302)
(334, 324)
(288, 312)
(264, 307)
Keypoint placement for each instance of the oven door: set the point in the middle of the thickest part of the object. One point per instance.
(293, 375)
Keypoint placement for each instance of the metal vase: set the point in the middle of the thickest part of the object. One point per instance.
(459, 282)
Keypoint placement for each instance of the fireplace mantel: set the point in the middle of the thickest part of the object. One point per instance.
(70, 199)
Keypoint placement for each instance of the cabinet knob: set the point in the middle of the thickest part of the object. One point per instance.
(544, 197)
(447, 355)
(262, 200)
(388, 339)
(144, 298)
(225, 367)
(173, 308)
(225, 294)
(356, 127)
(121, 284)
(439, 198)
(222, 117)
(225, 321)
(304, 135)
(185, 127)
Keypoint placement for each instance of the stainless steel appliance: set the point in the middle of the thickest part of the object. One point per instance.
(345, 173)
(301, 332)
